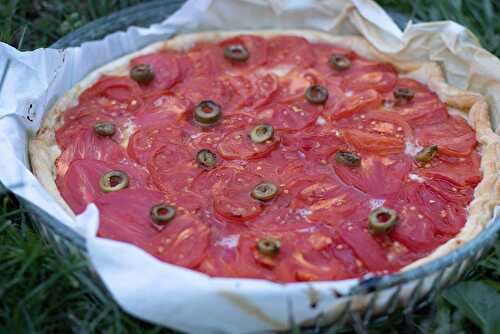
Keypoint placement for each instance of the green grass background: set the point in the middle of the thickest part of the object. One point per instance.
(40, 292)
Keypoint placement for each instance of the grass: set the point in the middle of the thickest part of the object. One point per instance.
(43, 292)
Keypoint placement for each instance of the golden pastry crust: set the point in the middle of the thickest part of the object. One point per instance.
(44, 150)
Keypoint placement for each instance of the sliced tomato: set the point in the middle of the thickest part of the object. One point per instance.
(239, 145)
(289, 50)
(173, 169)
(431, 199)
(329, 201)
(183, 241)
(373, 143)
(323, 53)
(220, 259)
(233, 200)
(454, 137)
(378, 176)
(289, 117)
(125, 215)
(377, 132)
(350, 105)
(80, 185)
(197, 89)
(365, 246)
(81, 119)
(202, 60)
(314, 147)
(161, 109)
(305, 254)
(255, 45)
(165, 68)
(143, 144)
(424, 108)
(117, 89)
(381, 78)
(87, 145)
(293, 86)
(413, 229)
(462, 171)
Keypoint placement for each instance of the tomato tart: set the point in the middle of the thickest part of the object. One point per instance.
(281, 155)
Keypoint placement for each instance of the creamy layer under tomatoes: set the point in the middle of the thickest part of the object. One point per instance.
(320, 212)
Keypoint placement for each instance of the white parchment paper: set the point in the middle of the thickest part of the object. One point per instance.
(174, 296)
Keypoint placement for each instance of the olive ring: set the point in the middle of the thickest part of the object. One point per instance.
(162, 213)
(142, 74)
(113, 181)
(207, 112)
(317, 94)
(382, 219)
(268, 246)
(236, 52)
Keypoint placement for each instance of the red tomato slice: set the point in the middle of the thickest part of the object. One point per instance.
(173, 169)
(118, 89)
(323, 53)
(87, 145)
(165, 68)
(330, 201)
(250, 91)
(238, 145)
(125, 215)
(233, 200)
(353, 104)
(377, 132)
(197, 89)
(293, 86)
(413, 229)
(424, 108)
(289, 50)
(463, 171)
(143, 144)
(378, 176)
(80, 185)
(256, 47)
(202, 60)
(161, 109)
(81, 119)
(183, 241)
(365, 246)
(454, 137)
(430, 199)
(382, 80)
(289, 118)
(373, 143)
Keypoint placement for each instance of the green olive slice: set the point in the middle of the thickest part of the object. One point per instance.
(142, 74)
(262, 133)
(236, 52)
(162, 213)
(104, 129)
(427, 153)
(113, 181)
(349, 159)
(268, 246)
(339, 62)
(207, 112)
(317, 94)
(403, 94)
(381, 219)
(264, 191)
(206, 158)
